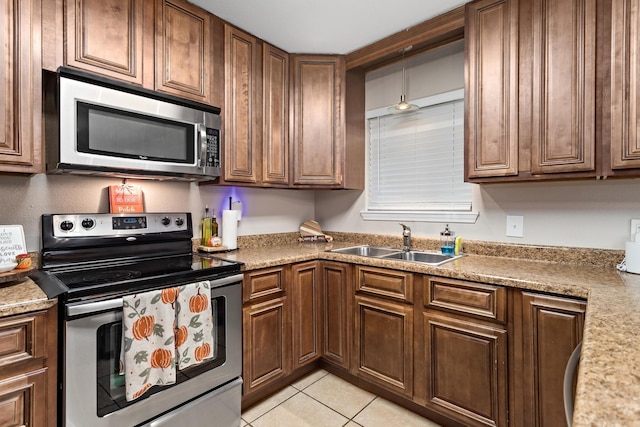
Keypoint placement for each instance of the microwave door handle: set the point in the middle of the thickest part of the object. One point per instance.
(202, 139)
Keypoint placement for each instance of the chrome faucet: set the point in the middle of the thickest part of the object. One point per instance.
(406, 238)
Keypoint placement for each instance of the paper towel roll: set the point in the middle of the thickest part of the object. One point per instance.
(632, 257)
(230, 228)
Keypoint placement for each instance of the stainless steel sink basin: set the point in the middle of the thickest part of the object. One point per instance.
(422, 257)
(431, 258)
(365, 250)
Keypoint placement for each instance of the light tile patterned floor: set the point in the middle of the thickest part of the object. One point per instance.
(323, 400)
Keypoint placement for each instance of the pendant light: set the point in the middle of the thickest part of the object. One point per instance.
(403, 106)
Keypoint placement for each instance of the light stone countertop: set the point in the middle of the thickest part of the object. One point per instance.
(22, 296)
(608, 392)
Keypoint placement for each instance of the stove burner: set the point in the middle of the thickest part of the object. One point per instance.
(102, 277)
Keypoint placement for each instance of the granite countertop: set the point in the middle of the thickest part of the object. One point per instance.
(608, 391)
(22, 295)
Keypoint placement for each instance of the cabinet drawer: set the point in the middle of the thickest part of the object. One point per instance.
(476, 299)
(21, 338)
(262, 283)
(388, 283)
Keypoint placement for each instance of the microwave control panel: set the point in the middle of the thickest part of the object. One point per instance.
(213, 148)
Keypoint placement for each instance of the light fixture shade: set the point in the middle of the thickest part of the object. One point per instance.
(402, 107)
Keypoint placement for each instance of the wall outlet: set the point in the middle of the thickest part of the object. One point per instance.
(635, 228)
(515, 226)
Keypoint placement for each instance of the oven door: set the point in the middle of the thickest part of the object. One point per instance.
(93, 389)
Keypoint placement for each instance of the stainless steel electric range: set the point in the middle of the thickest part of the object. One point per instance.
(90, 262)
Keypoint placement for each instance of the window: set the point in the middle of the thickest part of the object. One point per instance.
(416, 163)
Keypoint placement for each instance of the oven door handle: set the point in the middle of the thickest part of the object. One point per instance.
(116, 303)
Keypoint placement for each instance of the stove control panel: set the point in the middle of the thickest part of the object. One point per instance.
(98, 225)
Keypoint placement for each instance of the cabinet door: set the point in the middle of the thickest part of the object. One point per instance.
(318, 122)
(305, 316)
(23, 400)
(564, 83)
(275, 77)
(466, 370)
(111, 37)
(242, 103)
(183, 50)
(551, 329)
(336, 306)
(384, 343)
(625, 85)
(266, 343)
(491, 36)
(21, 82)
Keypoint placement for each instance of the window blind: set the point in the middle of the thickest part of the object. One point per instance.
(416, 160)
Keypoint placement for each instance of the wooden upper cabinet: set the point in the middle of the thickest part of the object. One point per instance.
(184, 54)
(491, 88)
(242, 102)
(275, 145)
(564, 84)
(21, 87)
(318, 123)
(625, 84)
(111, 37)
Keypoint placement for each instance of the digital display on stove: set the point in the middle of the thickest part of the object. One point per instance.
(129, 222)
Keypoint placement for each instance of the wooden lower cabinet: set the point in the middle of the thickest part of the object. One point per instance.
(266, 343)
(383, 342)
(305, 313)
(465, 369)
(28, 367)
(336, 302)
(547, 330)
(460, 352)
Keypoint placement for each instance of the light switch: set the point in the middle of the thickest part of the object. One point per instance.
(515, 226)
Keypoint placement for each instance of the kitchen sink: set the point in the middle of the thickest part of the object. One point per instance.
(365, 250)
(422, 257)
(431, 258)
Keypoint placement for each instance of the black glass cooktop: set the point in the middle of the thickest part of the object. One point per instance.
(102, 279)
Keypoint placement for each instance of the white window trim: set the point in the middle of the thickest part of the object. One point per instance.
(450, 216)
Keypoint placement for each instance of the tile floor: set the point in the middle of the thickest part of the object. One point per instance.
(323, 400)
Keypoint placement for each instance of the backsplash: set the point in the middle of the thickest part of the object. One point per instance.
(597, 257)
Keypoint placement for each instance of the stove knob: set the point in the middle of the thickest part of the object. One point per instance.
(179, 222)
(88, 223)
(66, 225)
(166, 220)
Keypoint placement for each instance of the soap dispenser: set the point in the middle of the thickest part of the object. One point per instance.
(447, 241)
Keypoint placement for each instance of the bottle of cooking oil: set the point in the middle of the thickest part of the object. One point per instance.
(207, 227)
(214, 225)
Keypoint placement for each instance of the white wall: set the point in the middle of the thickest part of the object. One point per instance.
(23, 200)
(591, 213)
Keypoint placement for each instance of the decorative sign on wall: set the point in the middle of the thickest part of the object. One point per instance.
(125, 198)
(11, 243)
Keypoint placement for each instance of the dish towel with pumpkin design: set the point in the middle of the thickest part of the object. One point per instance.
(194, 324)
(148, 338)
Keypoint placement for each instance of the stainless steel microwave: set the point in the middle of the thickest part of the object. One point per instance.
(95, 126)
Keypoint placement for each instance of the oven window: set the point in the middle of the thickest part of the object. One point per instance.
(120, 133)
(111, 388)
